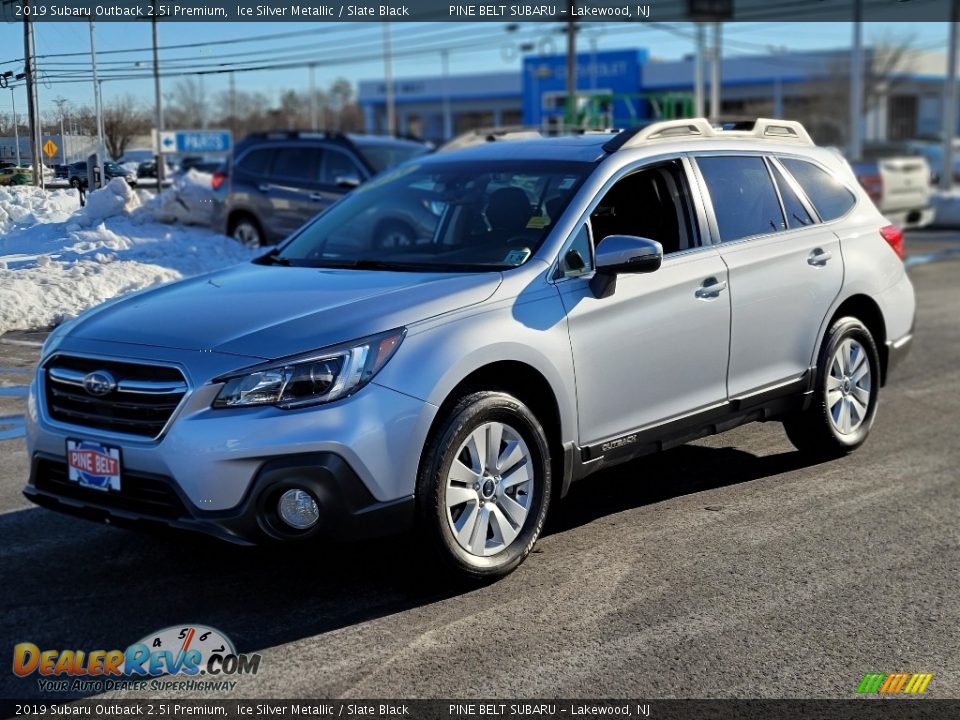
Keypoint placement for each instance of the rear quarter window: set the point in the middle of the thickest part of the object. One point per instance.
(829, 196)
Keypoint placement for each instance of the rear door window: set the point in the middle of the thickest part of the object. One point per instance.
(295, 164)
(256, 161)
(744, 200)
(829, 196)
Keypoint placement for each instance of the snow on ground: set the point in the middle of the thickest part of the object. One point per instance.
(57, 260)
(24, 206)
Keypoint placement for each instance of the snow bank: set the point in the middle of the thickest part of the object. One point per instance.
(189, 200)
(55, 264)
(24, 206)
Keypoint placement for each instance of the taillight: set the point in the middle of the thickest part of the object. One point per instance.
(218, 177)
(894, 237)
(873, 184)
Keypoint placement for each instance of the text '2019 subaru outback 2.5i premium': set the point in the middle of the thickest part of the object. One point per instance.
(577, 302)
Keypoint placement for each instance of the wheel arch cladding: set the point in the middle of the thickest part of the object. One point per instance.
(526, 384)
(866, 310)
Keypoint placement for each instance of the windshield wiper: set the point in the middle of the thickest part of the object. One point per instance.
(273, 258)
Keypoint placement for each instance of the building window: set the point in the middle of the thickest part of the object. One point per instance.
(902, 117)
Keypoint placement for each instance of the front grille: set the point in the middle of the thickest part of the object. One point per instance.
(140, 494)
(142, 402)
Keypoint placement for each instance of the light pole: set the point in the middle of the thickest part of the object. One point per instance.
(160, 162)
(98, 108)
(60, 102)
(388, 76)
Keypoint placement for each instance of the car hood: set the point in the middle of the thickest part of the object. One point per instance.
(273, 311)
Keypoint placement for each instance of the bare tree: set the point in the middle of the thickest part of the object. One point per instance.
(123, 120)
(826, 113)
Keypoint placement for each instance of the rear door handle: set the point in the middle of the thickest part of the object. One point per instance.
(263, 187)
(818, 258)
(711, 288)
(317, 196)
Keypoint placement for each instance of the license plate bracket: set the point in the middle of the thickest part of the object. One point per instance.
(93, 465)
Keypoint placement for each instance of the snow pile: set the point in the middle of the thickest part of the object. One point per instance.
(66, 263)
(116, 198)
(946, 207)
(24, 206)
(189, 200)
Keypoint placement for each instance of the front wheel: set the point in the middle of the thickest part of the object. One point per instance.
(484, 486)
(845, 400)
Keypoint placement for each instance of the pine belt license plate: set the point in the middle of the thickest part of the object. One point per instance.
(93, 465)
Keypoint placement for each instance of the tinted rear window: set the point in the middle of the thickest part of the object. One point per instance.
(828, 195)
(255, 161)
(743, 196)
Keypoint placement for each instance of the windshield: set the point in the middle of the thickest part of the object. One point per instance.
(383, 156)
(452, 216)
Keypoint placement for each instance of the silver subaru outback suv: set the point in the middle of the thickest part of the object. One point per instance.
(574, 303)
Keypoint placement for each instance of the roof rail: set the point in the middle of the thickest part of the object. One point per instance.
(297, 135)
(699, 128)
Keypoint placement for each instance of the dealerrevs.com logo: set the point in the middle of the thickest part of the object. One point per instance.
(193, 657)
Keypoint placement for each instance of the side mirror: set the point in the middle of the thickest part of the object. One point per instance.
(347, 181)
(628, 254)
(617, 254)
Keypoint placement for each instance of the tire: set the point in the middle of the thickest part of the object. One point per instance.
(510, 517)
(394, 234)
(845, 397)
(246, 231)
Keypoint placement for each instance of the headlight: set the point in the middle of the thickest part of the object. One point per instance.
(320, 377)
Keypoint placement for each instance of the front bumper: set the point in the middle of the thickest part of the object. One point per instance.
(347, 509)
(217, 470)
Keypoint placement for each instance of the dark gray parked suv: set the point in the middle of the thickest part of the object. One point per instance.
(277, 181)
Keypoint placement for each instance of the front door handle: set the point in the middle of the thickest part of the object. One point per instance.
(711, 288)
(263, 187)
(318, 197)
(819, 257)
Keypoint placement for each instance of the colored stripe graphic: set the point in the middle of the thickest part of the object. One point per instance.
(871, 682)
(894, 683)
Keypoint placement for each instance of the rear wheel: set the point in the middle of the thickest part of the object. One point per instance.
(246, 231)
(845, 400)
(484, 486)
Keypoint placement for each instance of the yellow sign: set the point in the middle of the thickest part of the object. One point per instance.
(50, 148)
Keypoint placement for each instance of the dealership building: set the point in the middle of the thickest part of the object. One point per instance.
(620, 88)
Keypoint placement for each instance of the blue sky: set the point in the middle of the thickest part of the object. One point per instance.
(353, 51)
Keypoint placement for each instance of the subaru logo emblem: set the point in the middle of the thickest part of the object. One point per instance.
(99, 382)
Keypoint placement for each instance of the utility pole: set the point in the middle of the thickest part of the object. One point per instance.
(571, 65)
(31, 96)
(715, 72)
(388, 76)
(447, 115)
(16, 125)
(855, 146)
(233, 103)
(313, 98)
(950, 103)
(98, 108)
(698, 110)
(158, 105)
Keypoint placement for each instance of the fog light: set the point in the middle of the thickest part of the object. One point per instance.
(298, 509)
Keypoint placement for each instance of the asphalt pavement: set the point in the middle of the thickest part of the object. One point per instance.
(731, 567)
